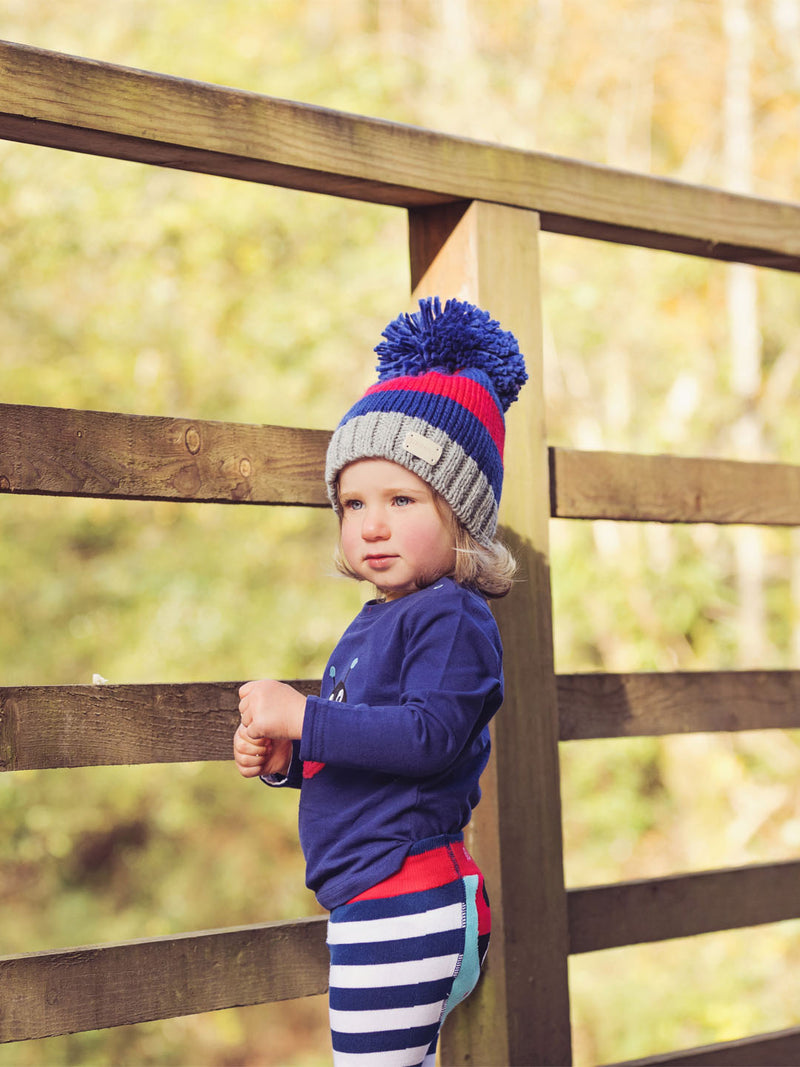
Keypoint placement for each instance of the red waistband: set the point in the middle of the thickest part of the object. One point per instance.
(424, 870)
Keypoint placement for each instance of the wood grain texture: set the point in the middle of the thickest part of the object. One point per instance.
(141, 457)
(778, 1049)
(83, 725)
(640, 488)
(47, 993)
(526, 733)
(489, 255)
(67, 102)
(631, 913)
(63, 452)
(109, 725)
(89, 107)
(654, 704)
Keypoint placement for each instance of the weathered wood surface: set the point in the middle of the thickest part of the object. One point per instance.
(66, 102)
(778, 1049)
(47, 993)
(63, 452)
(631, 913)
(609, 485)
(654, 704)
(143, 457)
(489, 255)
(526, 736)
(84, 725)
(108, 725)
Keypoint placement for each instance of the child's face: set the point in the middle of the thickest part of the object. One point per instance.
(392, 531)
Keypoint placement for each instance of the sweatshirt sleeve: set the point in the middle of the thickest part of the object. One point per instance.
(450, 685)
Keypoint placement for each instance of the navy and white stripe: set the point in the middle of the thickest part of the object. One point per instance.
(398, 966)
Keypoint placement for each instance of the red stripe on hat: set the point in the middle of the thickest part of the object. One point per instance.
(464, 390)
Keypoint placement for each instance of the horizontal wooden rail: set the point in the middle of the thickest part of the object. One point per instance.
(71, 726)
(778, 1049)
(50, 993)
(680, 702)
(640, 488)
(63, 452)
(47, 993)
(68, 726)
(67, 102)
(631, 913)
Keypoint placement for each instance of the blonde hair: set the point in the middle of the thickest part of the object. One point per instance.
(488, 570)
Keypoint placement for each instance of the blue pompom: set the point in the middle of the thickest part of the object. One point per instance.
(460, 337)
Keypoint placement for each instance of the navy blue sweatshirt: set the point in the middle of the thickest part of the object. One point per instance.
(392, 750)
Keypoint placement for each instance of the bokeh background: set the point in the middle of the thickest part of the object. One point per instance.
(134, 289)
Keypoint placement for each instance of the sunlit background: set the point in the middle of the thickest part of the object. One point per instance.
(134, 289)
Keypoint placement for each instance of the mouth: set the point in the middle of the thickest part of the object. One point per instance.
(379, 560)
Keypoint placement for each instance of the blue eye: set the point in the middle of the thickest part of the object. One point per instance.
(402, 501)
(352, 505)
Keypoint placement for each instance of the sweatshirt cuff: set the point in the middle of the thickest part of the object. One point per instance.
(294, 775)
(311, 728)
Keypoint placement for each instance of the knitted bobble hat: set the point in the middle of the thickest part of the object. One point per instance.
(445, 379)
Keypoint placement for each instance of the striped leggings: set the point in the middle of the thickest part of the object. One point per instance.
(403, 955)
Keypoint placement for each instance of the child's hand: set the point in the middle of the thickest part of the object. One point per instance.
(257, 756)
(272, 709)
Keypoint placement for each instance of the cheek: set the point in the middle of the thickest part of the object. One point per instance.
(347, 540)
(435, 540)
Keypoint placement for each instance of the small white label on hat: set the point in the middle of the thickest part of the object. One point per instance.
(422, 448)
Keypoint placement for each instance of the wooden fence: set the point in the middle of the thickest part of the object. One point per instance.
(475, 211)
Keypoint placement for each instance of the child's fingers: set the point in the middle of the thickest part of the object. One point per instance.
(244, 708)
(249, 770)
(248, 758)
(243, 742)
(254, 739)
(250, 750)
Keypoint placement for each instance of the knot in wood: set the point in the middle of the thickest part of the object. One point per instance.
(5, 484)
(245, 468)
(192, 439)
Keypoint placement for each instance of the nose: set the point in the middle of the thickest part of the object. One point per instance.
(374, 526)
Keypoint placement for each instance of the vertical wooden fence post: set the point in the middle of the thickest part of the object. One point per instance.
(489, 254)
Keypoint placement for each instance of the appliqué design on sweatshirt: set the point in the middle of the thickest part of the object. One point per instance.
(339, 693)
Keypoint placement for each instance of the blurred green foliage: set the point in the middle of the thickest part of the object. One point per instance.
(135, 289)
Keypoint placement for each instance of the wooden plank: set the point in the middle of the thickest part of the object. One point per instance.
(781, 1048)
(47, 993)
(77, 104)
(442, 252)
(67, 726)
(81, 105)
(70, 726)
(105, 454)
(56, 451)
(654, 704)
(631, 913)
(609, 485)
(430, 229)
(526, 737)
(490, 256)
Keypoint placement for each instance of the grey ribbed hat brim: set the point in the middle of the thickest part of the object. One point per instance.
(455, 475)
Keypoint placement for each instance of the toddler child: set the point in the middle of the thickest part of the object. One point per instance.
(389, 757)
